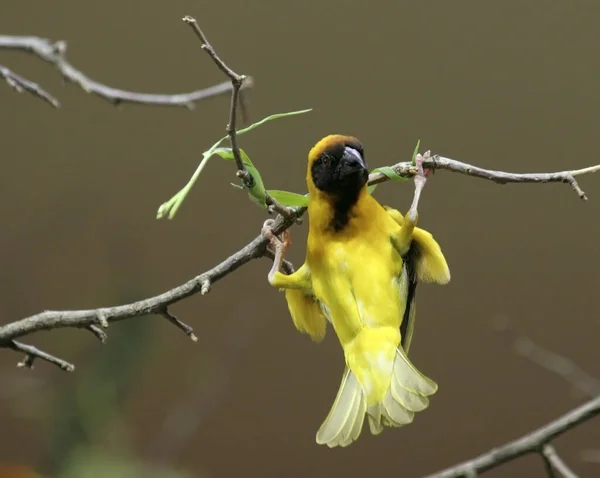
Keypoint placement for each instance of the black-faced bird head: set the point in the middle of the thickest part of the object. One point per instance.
(337, 167)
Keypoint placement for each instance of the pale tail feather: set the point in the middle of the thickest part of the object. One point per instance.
(408, 393)
(345, 420)
(374, 416)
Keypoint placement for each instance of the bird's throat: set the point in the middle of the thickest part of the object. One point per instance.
(333, 214)
(343, 210)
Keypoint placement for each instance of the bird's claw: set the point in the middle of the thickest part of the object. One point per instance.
(283, 241)
(267, 229)
(279, 244)
(420, 180)
(419, 159)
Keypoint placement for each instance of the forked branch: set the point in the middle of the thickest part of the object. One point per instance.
(22, 84)
(534, 442)
(55, 54)
(538, 441)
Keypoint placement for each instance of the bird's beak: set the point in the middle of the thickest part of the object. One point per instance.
(351, 162)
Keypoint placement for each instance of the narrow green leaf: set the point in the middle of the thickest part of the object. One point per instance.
(371, 188)
(224, 153)
(288, 198)
(389, 172)
(416, 151)
(169, 208)
(270, 118)
(257, 190)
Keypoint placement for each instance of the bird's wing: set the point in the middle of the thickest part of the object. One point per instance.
(406, 282)
(424, 262)
(303, 305)
(306, 313)
(430, 263)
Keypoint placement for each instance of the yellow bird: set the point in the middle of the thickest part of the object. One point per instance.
(363, 263)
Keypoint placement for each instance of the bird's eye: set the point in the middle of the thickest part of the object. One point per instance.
(325, 160)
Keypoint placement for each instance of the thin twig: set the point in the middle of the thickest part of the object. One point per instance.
(556, 463)
(537, 441)
(178, 323)
(23, 84)
(98, 332)
(274, 206)
(530, 443)
(55, 54)
(202, 283)
(550, 470)
(236, 83)
(31, 353)
(501, 177)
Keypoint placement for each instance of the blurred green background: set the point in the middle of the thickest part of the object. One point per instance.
(504, 85)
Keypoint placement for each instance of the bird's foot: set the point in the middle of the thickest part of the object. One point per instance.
(422, 174)
(280, 244)
(285, 238)
(420, 180)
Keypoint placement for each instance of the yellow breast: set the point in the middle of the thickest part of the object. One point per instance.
(356, 272)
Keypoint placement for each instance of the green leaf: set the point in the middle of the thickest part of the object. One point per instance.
(371, 188)
(416, 151)
(389, 172)
(288, 198)
(257, 190)
(270, 118)
(170, 207)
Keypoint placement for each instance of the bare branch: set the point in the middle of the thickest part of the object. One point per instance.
(530, 443)
(31, 353)
(55, 54)
(23, 84)
(178, 323)
(98, 332)
(555, 463)
(550, 470)
(154, 305)
(206, 46)
(236, 83)
(500, 177)
(539, 440)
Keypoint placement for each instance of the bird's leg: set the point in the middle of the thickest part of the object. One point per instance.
(279, 245)
(420, 179)
(404, 238)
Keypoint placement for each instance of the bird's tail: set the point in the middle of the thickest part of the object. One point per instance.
(405, 392)
(347, 415)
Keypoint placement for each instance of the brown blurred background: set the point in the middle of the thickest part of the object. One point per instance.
(504, 85)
